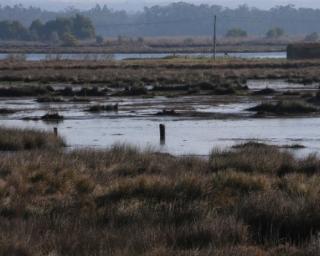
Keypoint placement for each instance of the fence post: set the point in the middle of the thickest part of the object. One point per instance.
(162, 134)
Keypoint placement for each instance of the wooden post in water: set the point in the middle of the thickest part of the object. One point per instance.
(55, 131)
(162, 134)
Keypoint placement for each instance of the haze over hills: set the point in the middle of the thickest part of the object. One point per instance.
(135, 5)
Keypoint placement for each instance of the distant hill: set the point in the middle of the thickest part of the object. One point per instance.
(180, 19)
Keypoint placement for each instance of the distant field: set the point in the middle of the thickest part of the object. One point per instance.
(164, 71)
(153, 45)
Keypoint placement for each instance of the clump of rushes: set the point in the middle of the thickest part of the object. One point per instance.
(6, 111)
(23, 91)
(314, 99)
(14, 140)
(103, 108)
(50, 99)
(52, 117)
(133, 91)
(224, 91)
(79, 100)
(91, 92)
(285, 107)
(167, 112)
(266, 91)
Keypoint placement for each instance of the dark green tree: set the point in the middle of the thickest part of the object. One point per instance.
(13, 30)
(99, 39)
(236, 32)
(60, 25)
(275, 33)
(36, 29)
(69, 40)
(82, 27)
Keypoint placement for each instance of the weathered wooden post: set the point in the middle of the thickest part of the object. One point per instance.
(162, 134)
(55, 131)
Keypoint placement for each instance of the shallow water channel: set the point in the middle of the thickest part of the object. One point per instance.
(123, 56)
(137, 122)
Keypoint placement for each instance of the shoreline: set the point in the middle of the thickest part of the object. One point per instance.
(106, 50)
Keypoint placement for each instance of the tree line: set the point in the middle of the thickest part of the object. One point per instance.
(179, 19)
(64, 29)
(272, 33)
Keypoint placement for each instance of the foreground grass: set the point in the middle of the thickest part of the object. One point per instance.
(14, 140)
(254, 200)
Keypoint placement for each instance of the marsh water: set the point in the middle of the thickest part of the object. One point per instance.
(137, 122)
(123, 56)
(186, 136)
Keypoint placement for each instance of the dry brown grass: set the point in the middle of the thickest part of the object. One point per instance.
(151, 45)
(124, 201)
(166, 71)
(14, 139)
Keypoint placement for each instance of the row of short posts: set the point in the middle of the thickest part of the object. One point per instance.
(161, 126)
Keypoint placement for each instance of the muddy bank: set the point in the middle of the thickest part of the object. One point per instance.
(140, 49)
(178, 71)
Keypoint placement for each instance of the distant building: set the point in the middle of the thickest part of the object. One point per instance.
(303, 51)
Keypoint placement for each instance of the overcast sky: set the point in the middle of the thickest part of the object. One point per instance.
(138, 4)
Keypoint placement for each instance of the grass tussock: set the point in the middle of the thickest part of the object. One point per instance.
(14, 140)
(260, 158)
(125, 201)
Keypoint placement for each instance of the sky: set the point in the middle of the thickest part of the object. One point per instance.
(134, 5)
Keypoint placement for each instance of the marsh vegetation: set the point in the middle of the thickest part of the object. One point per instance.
(253, 200)
(175, 71)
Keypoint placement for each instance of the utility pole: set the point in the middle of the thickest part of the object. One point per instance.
(214, 48)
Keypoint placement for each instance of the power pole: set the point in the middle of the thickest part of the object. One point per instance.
(214, 37)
